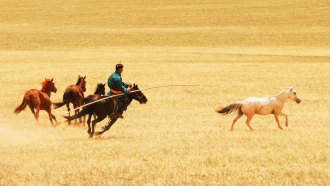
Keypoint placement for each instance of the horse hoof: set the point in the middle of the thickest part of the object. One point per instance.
(57, 124)
(97, 136)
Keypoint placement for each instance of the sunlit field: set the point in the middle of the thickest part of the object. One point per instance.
(230, 49)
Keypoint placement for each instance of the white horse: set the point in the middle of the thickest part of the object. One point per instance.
(261, 106)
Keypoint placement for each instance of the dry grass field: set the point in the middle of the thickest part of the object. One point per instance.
(236, 49)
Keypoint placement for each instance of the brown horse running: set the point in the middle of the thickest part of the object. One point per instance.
(39, 100)
(73, 94)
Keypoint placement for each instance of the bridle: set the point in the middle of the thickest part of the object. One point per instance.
(137, 95)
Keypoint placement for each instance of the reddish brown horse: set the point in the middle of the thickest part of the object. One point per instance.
(73, 94)
(39, 100)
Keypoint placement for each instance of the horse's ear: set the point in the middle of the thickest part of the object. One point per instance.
(85, 77)
(104, 84)
(52, 80)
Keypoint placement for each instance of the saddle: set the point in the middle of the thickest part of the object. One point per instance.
(117, 105)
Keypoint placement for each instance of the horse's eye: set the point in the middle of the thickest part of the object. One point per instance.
(295, 93)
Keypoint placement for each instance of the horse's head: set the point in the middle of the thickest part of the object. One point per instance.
(48, 85)
(81, 83)
(138, 95)
(100, 89)
(292, 94)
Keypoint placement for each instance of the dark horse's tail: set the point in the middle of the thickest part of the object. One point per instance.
(65, 100)
(87, 110)
(22, 106)
(59, 104)
(235, 107)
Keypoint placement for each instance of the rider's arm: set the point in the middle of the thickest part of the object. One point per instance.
(124, 84)
(120, 84)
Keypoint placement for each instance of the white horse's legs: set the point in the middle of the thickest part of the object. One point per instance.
(277, 121)
(247, 122)
(235, 120)
(286, 119)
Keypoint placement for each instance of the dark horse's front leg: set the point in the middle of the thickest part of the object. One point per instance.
(68, 108)
(98, 119)
(89, 131)
(106, 127)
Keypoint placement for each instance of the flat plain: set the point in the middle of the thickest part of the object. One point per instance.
(234, 49)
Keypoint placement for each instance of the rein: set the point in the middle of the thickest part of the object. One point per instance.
(133, 91)
(137, 95)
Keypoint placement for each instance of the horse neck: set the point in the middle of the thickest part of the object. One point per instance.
(80, 84)
(129, 101)
(98, 92)
(282, 97)
(44, 90)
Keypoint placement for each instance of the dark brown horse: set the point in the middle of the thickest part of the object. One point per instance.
(39, 100)
(107, 108)
(73, 94)
(99, 91)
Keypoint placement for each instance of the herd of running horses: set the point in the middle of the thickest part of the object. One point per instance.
(99, 106)
(40, 100)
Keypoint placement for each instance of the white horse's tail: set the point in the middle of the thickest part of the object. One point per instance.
(235, 107)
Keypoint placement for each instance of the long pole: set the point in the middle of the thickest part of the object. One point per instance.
(108, 97)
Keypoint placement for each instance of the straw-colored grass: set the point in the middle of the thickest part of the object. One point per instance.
(234, 49)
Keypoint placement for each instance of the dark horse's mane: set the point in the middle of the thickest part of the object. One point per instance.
(99, 91)
(99, 88)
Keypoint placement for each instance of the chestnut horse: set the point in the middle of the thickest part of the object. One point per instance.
(107, 108)
(262, 106)
(73, 94)
(39, 100)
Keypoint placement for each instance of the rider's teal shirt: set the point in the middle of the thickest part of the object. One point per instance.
(115, 82)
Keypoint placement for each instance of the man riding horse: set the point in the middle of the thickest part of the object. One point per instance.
(117, 86)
